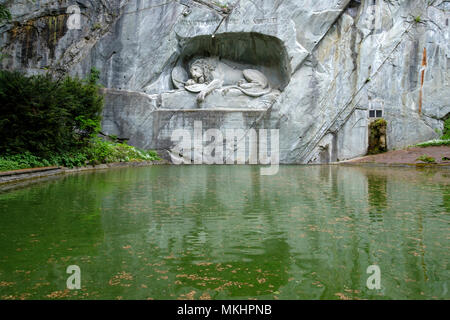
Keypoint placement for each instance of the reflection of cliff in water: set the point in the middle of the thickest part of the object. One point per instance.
(227, 231)
(320, 218)
(377, 196)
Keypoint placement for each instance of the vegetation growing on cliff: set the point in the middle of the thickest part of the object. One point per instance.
(434, 143)
(444, 141)
(427, 159)
(377, 136)
(446, 135)
(98, 151)
(5, 15)
(46, 122)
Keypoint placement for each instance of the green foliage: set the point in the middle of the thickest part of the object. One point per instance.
(28, 160)
(377, 137)
(43, 116)
(5, 15)
(220, 4)
(446, 131)
(113, 137)
(417, 19)
(21, 161)
(101, 151)
(434, 143)
(426, 158)
(378, 124)
(90, 126)
(97, 152)
(47, 122)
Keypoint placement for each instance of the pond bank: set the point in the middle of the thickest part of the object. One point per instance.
(398, 158)
(406, 157)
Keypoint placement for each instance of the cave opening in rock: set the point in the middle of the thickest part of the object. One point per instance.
(240, 51)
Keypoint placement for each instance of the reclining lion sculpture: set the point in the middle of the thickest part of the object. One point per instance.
(211, 74)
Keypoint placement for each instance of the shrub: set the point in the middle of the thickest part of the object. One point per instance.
(22, 161)
(47, 122)
(5, 15)
(426, 158)
(377, 137)
(97, 152)
(446, 131)
(101, 151)
(43, 116)
(434, 143)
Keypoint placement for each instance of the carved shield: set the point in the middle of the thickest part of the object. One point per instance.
(196, 88)
(179, 77)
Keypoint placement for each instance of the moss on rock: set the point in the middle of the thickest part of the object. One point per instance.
(377, 137)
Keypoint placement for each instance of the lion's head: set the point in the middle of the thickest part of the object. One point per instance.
(201, 71)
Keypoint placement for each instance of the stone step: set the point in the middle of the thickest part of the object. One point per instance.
(27, 171)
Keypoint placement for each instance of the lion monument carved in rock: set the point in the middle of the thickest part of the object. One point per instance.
(209, 74)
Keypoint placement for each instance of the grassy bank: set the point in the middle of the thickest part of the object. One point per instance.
(443, 141)
(434, 143)
(97, 152)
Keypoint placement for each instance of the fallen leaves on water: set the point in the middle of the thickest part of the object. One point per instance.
(41, 284)
(205, 296)
(6, 284)
(59, 294)
(204, 263)
(187, 296)
(23, 296)
(118, 278)
(352, 291)
(161, 271)
(342, 296)
(262, 280)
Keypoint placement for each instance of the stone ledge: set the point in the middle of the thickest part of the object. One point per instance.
(115, 165)
(35, 173)
(394, 165)
(212, 110)
(27, 171)
(19, 175)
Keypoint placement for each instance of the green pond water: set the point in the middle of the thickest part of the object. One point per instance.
(226, 232)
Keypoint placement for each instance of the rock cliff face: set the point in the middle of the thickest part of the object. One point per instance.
(327, 68)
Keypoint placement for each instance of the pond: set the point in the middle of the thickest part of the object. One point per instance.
(226, 232)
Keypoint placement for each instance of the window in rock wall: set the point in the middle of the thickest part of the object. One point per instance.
(375, 113)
